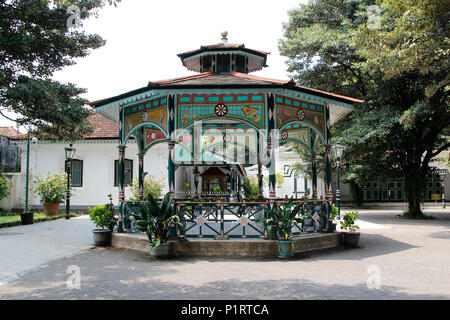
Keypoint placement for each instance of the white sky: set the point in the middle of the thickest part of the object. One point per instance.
(143, 38)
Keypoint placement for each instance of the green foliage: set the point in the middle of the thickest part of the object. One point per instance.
(101, 216)
(349, 221)
(217, 189)
(250, 187)
(52, 188)
(5, 185)
(36, 41)
(283, 217)
(154, 218)
(187, 188)
(334, 211)
(110, 208)
(399, 68)
(152, 186)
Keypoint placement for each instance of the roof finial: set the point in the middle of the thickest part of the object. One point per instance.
(224, 37)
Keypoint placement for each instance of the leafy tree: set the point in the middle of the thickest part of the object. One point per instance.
(5, 185)
(152, 186)
(250, 187)
(37, 40)
(398, 65)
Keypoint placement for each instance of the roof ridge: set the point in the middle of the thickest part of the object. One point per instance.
(253, 77)
(174, 80)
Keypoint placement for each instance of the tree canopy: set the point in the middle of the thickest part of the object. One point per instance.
(395, 56)
(36, 40)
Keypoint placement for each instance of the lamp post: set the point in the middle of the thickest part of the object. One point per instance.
(442, 173)
(33, 140)
(70, 152)
(337, 153)
(305, 169)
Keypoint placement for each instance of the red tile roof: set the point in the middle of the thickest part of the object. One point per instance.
(9, 132)
(103, 127)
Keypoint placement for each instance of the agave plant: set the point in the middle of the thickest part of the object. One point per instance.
(283, 217)
(154, 219)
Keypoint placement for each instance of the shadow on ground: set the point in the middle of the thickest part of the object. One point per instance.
(116, 274)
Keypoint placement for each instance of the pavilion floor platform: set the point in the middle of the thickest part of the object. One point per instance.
(234, 247)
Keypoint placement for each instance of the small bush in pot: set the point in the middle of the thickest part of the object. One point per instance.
(282, 217)
(52, 190)
(350, 237)
(153, 219)
(102, 218)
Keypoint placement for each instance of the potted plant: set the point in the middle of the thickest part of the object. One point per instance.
(154, 219)
(281, 219)
(103, 219)
(52, 190)
(351, 237)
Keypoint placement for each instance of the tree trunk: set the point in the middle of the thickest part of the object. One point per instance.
(414, 185)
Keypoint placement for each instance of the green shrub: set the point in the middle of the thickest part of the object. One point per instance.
(349, 221)
(101, 216)
(152, 186)
(52, 188)
(217, 189)
(5, 185)
(251, 187)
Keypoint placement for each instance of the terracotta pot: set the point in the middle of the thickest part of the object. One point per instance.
(51, 209)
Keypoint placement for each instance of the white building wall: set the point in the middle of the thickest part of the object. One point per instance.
(98, 170)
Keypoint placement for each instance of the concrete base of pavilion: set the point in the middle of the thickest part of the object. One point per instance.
(234, 247)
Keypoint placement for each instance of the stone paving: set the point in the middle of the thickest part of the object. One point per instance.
(410, 259)
(26, 247)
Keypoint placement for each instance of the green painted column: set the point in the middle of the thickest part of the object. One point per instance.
(328, 172)
(121, 176)
(121, 173)
(171, 168)
(28, 174)
(314, 173)
(171, 142)
(140, 144)
(271, 148)
(260, 176)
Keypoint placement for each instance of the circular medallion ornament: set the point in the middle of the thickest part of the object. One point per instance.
(200, 220)
(227, 137)
(221, 110)
(284, 134)
(301, 115)
(243, 221)
(144, 116)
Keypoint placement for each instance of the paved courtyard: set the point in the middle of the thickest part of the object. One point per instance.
(397, 259)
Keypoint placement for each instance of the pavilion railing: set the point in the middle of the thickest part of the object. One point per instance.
(234, 219)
